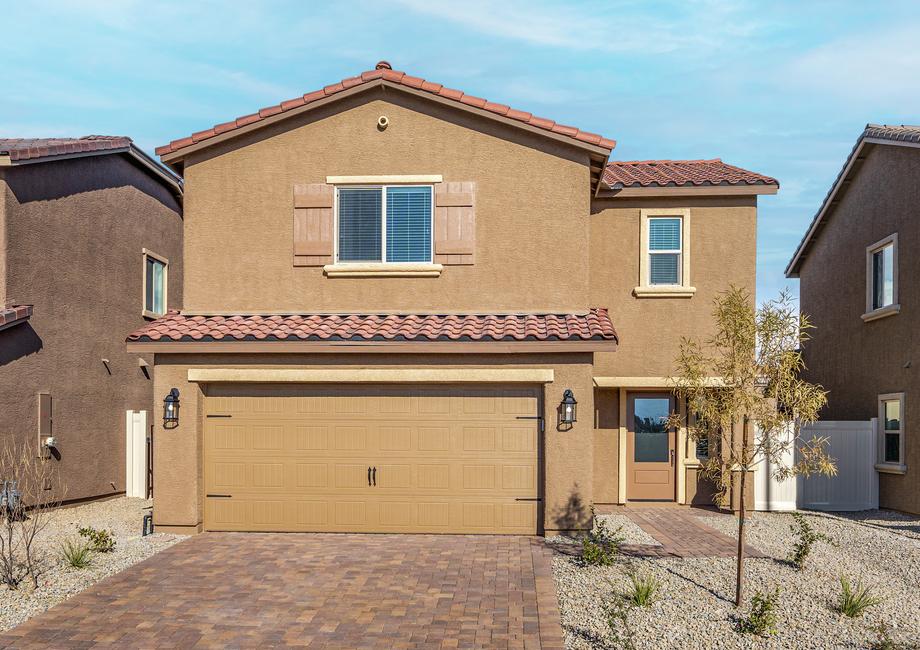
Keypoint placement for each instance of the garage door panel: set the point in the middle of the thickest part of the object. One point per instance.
(448, 459)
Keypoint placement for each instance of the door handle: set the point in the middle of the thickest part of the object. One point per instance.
(368, 476)
(375, 476)
(672, 458)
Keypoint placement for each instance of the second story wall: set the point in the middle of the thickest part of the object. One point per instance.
(722, 236)
(532, 211)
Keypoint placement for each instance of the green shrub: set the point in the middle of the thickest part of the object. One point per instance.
(101, 541)
(807, 537)
(853, 601)
(76, 553)
(644, 589)
(761, 620)
(616, 614)
(601, 546)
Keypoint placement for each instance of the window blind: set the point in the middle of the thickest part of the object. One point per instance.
(664, 234)
(663, 268)
(359, 224)
(408, 224)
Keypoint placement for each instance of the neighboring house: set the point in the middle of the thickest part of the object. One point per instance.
(391, 287)
(90, 245)
(859, 277)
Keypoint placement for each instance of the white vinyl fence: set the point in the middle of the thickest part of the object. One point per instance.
(136, 454)
(852, 445)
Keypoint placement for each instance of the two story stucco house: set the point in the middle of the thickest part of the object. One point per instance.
(860, 283)
(90, 247)
(410, 309)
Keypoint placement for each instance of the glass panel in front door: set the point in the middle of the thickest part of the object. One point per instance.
(651, 416)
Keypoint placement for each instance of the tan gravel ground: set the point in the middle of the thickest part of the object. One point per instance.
(123, 516)
(695, 607)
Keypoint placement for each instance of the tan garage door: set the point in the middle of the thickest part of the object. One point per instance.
(372, 459)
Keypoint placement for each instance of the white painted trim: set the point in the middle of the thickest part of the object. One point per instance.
(385, 179)
(664, 292)
(890, 468)
(887, 310)
(645, 289)
(621, 460)
(880, 430)
(145, 253)
(383, 270)
(875, 314)
(373, 375)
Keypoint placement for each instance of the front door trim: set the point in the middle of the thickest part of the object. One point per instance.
(664, 492)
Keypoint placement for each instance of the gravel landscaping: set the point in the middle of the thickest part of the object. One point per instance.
(695, 604)
(122, 516)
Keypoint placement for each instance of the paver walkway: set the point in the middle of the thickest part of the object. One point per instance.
(318, 591)
(681, 533)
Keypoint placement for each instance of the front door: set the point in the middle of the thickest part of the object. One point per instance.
(650, 449)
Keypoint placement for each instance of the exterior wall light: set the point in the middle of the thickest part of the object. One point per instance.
(171, 409)
(568, 409)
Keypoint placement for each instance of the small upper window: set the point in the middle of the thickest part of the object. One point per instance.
(891, 429)
(154, 284)
(664, 250)
(384, 224)
(882, 277)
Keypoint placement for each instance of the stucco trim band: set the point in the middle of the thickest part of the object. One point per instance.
(373, 375)
(647, 382)
(386, 179)
(383, 270)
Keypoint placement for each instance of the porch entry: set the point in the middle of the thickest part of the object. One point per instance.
(651, 448)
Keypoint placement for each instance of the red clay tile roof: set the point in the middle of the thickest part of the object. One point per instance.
(29, 148)
(174, 327)
(14, 315)
(384, 72)
(677, 173)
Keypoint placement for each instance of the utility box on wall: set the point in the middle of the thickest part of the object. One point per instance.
(136, 454)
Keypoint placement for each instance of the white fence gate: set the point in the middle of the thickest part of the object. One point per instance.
(136, 454)
(852, 445)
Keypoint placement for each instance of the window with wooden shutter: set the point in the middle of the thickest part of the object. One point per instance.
(455, 223)
(313, 224)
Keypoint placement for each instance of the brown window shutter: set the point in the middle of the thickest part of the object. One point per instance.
(455, 223)
(313, 224)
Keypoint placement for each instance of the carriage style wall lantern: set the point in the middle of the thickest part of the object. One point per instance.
(568, 409)
(171, 409)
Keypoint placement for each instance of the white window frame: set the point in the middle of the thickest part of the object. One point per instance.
(683, 289)
(882, 465)
(383, 225)
(147, 253)
(895, 307)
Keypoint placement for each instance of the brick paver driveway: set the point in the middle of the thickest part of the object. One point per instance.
(318, 591)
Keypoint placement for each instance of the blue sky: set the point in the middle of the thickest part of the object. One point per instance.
(783, 88)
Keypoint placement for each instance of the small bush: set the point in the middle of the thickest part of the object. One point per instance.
(883, 640)
(76, 553)
(601, 546)
(101, 541)
(644, 589)
(616, 614)
(854, 601)
(807, 537)
(761, 620)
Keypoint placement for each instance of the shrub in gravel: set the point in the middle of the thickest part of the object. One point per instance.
(853, 601)
(806, 537)
(644, 589)
(601, 546)
(761, 619)
(101, 541)
(616, 615)
(76, 553)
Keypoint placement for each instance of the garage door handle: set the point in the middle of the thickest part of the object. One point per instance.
(368, 476)
(219, 496)
(375, 476)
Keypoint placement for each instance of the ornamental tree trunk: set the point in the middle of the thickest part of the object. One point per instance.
(742, 517)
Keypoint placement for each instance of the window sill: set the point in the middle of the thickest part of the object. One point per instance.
(694, 463)
(664, 292)
(151, 315)
(383, 270)
(882, 312)
(891, 468)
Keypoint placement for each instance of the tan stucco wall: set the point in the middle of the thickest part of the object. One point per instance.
(567, 454)
(75, 230)
(606, 445)
(723, 251)
(857, 361)
(532, 207)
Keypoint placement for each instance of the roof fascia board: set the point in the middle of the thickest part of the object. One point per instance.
(364, 347)
(696, 190)
(180, 154)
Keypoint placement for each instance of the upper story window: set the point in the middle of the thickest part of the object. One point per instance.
(155, 271)
(882, 278)
(664, 250)
(891, 432)
(386, 224)
(664, 263)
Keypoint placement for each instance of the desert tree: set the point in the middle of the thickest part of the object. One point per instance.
(747, 400)
(29, 492)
